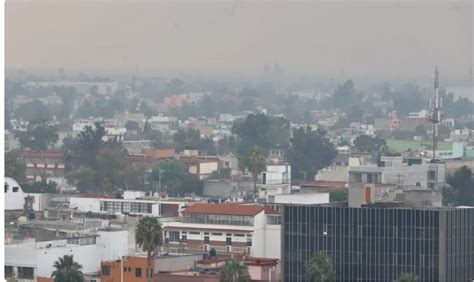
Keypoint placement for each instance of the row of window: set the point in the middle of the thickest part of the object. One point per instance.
(124, 207)
(138, 271)
(218, 219)
(175, 238)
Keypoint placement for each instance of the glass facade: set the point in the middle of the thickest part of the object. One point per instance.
(218, 219)
(378, 244)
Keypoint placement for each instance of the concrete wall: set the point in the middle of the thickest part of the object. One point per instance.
(85, 204)
(175, 263)
(42, 258)
(13, 200)
(224, 189)
(304, 199)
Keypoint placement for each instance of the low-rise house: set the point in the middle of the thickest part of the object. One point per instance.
(202, 167)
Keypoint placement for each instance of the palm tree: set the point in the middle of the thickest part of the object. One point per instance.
(233, 271)
(67, 270)
(257, 163)
(319, 268)
(149, 236)
(408, 277)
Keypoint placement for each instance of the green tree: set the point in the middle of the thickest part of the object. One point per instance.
(90, 143)
(149, 237)
(190, 184)
(171, 172)
(461, 192)
(367, 144)
(38, 137)
(213, 253)
(257, 163)
(40, 187)
(67, 270)
(191, 139)
(15, 166)
(262, 131)
(84, 179)
(34, 111)
(320, 268)
(112, 169)
(233, 271)
(132, 125)
(408, 277)
(339, 196)
(309, 152)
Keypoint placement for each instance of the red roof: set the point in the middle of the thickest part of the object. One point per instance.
(245, 209)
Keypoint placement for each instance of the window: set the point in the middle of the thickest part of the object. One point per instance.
(174, 236)
(15, 189)
(239, 235)
(216, 234)
(6, 188)
(26, 273)
(194, 233)
(184, 238)
(249, 242)
(206, 239)
(138, 272)
(106, 270)
(8, 271)
(228, 241)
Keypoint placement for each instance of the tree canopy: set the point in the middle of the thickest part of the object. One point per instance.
(15, 166)
(320, 268)
(67, 270)
(38, 137)
(461, 192)
(309, 152)
(233, 271)
(262, 131)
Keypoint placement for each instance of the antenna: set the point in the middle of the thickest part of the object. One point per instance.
(435, 116)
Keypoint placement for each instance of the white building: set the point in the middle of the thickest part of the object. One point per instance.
(27, 261)
(302, 199)
(233, 228)
(128, 205)
(15, 197)
(397, 171)
(274, 181)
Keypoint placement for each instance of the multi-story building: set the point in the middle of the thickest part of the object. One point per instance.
(43, 164)
(130, 204)
(377, 238)
(276, 180)
(228, 228)
(396, 170)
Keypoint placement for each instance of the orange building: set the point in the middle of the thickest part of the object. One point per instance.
(130, 269)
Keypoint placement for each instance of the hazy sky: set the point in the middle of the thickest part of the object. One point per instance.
(361, 38)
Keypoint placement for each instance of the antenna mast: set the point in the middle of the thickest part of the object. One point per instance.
(435, 116)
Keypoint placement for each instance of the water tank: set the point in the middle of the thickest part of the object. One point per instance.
(22, 220)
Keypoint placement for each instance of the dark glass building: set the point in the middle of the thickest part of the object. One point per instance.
(380, 243)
